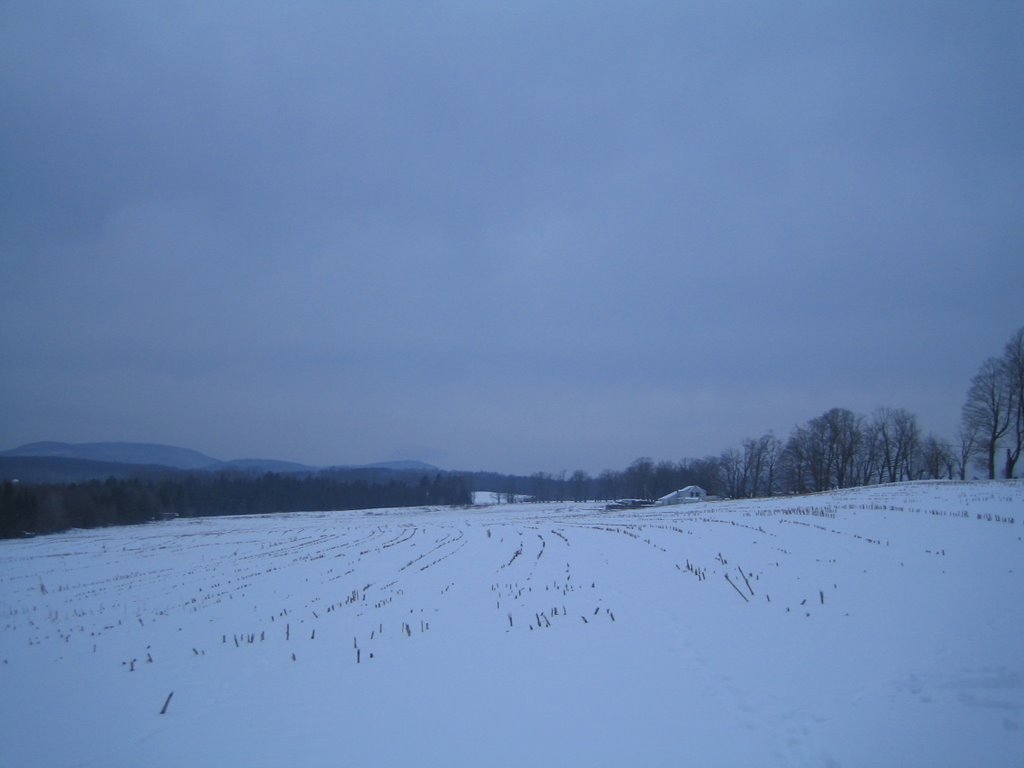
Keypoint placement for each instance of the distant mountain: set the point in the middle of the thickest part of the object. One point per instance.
(407, 465)
(119, 453)
(54, 462)
(266, 465)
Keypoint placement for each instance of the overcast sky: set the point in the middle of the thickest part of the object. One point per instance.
(512, 236)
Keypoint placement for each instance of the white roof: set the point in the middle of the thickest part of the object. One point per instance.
(687, 491)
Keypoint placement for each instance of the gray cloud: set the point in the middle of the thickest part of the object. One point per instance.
(516, 237)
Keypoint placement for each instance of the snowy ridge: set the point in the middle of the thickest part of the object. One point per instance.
(877, 626)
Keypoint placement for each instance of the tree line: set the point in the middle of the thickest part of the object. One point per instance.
(49, 508)
(838, 449)
(993, 416)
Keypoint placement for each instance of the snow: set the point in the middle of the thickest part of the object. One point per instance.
(878, 626)
(487, 498)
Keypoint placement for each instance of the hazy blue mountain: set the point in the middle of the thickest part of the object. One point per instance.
(119, 453)
(267, 465)
(404, 465)
(77, 462)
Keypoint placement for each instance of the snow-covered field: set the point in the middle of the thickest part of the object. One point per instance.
(880, 626)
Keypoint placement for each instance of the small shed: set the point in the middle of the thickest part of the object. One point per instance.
(690, 493)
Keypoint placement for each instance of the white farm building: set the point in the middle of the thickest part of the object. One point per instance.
(690, 493)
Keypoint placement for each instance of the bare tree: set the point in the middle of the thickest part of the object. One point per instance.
(883, 435)
(869, 458)
(510, 492)
(758, 467)
(560, 485)
(638, 478)
(822, 454)
(769, 448)
(665, 478)
(580, 481)
(1013, 362)
(968, 440)
(795, 463)
(541, 486)
(731, 464)
(752, 460)
(908, 443)
(988, 410)
(895, 441)
(846, 430)
(949, 457)
(609, 484)
(937, 458)
(835, 440)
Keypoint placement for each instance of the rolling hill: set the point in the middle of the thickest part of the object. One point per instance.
(56, 462)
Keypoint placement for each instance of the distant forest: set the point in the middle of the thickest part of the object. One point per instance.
(48, 508)
(838, 449)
